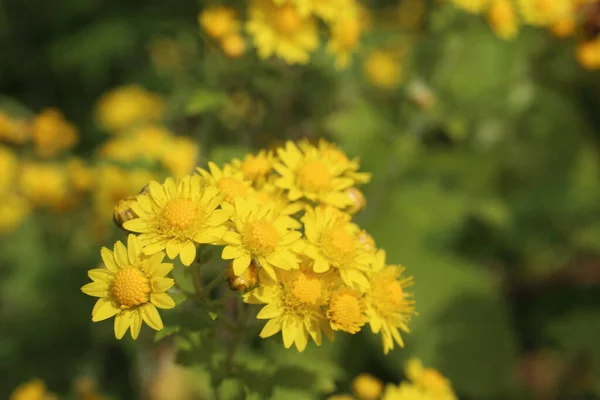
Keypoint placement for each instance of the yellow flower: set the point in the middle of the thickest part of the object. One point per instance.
(311, 175)
(13, 209)
(8, 165)
(180, 156)
(45, 184)
(332, 242)
(124, 107)
(276, 199)
(131, 287)
(325, 9)
(389, 307)
(346, 310)
(233, 45)
(262, 236)
(256, 168)
(13, 130)
(544, 12)
(281, 30)
(146, 142)
(472, 6)
(405, 391)
(564, 27)
(345, 34)
(230, 182)
(429, 380)
(337, 156)
(502, 17)
(219, 21)
(81, 175)
(588, 54)
(176, 217)
(294, 307)
(52, 133)
(32, 390)
(367, 387)
(383, 69)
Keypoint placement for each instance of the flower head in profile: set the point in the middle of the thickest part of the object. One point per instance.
(389, 306)
(310, 174)
(332, 242)
(176, 217)
(262, 236)
(130, 288)
(294, 307)
(281, 30)
(229, 182)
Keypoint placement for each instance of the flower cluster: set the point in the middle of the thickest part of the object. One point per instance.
(422, 384)
(561, 17)
(284, 219)
(288, 29)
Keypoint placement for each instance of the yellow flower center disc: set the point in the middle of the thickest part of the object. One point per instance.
(130, 287)
(314, 176)
(345, 311)
(307, 289)
(231, 188)
(180, 213)
(339, 246)
(261, 237)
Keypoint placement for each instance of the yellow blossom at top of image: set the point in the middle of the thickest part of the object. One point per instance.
(45, 184)
(327, 10)
(588, 54)
(52, 133)
(332, 242)
(13, 130)
(310, 173)
(383, 69)
(219, 21)
(259, 234)
(256, 168)
(281, 30)
(126, 106)
(8, 167)
(544, 12)
(131, 287)
(176, 217)
(32, 390)
(294, 307)
(229, 181)
(389, 306)
(503, 19)
(367, 387)
(472, 6)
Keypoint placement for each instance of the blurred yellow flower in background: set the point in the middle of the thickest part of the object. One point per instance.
(503, 19)
(45, 184)
(32, 390)
(367, 387)
(13, 209)
(473, 6)
(126, 106)
(588, 54)
(130, 288)
(180, 156)
(544, 12)
(8, 167)
(13, 130)
(282, 31)
(383, 69)
(345, 35)
(219, 21)
(52, 133)
(233, 45)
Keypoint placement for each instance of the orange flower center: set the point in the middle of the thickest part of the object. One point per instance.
(180, 213)
(261, 237)
(314, 176)
(345, 312)
(339, 246)
(130, 287)
(307, 289)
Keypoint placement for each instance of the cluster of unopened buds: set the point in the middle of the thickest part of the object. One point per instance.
(283, 220)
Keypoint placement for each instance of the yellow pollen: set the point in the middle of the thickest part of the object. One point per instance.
(339, 246)
(345, 312)
(255, 167)
(314, 176)
(232, 188)
(288, 20)
(180, 213)
(130, 287)
(261, 237)
(307, 289)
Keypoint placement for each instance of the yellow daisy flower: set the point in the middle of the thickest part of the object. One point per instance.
(389, 307)
(276, 199)
(280, 30)
(219, 21)
(176, 217)
(544, 12)
(261, 235)
(345, 34)
(346, 310)
(294, 307)
(131, 287)
(35, 389)
(229, 182)
(332, 242)
(429, 379)
(307, 174)
(52, 133)
(367, 387)
(384, 69)
(256, 168)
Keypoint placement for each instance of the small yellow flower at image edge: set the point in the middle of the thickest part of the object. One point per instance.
(131, 287)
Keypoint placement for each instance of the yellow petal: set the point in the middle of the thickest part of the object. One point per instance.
(134, 249)
(173, 248)
(108, 259)
(153, 263)
(120, 254)
(103, 309)
(162, 300)
(301, 340)
(269, 311)
(160, 285)
(151, 317)
(96, 289)
(271, 328)
(241, 263)
(289, 332)
(320, 265)
(136, 323)
(231, 252)
(100, 275)
(122, 323)
(218, 217)
(232, 237)
(187, 253)
(136, 225)
(154, 248)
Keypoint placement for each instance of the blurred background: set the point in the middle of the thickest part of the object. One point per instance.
(478, 119)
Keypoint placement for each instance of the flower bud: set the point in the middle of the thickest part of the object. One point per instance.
(245, 282)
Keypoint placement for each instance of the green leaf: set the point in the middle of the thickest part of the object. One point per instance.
(205, 100)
